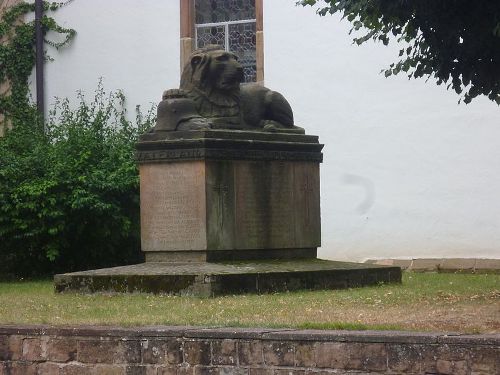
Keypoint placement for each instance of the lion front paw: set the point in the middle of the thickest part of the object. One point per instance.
(195, 123)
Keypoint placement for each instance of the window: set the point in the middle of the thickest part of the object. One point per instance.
(235, 25)
(230, 24)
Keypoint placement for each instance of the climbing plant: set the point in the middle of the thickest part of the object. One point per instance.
(17, 58)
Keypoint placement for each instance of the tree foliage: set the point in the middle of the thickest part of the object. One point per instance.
(69, 196)
(455, 41)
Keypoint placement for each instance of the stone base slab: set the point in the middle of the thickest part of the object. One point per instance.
(212, 279)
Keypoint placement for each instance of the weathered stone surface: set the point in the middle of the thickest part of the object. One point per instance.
(403, 263)
(32, 349)
(332, 355)
(21, 368)
(245, 352)
(161, 351)
(205, 370)
(48, 368)
(276, 205)
(73, 369)
(428, 355)
(165, 148)
(492, 265)
(108, 370)
(108, 351)
(230, 206)
(420, 265)
(153, 351)
(404, 358)
(289, 372)
(260, 371)
(210, 210)
(279, 354)
(469, 265)
(220, 198)
(61, 349)
(197, 352)
(135, 370)
(173, 209)
(210, 279)
(224, 352)
(466, 340)
(250, 353)
(485, 360)
(15, 347)
(305, 354)
(4, 348)
(264, 205)
(451, 367)
(457, 264)
(367, 357)
(185, 370)
(225, 333)
(167, 370)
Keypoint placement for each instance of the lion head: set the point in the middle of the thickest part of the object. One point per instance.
(212, 69)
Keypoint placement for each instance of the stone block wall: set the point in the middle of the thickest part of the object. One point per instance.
(44, 350)
(466, 265)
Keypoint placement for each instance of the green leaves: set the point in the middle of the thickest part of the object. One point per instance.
(69, 196)
(453, 41)
(17, 58)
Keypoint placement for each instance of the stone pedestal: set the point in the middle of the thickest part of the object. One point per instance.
(229, 195)
(225, 212)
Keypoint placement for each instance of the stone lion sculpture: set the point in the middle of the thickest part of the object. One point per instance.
(211, 96)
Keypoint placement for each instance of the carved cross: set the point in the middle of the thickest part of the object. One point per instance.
(221, 190)
(307, 189)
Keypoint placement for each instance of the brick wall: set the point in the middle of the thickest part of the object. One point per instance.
(189, 351)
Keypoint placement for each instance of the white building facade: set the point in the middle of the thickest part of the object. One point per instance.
(407, 172)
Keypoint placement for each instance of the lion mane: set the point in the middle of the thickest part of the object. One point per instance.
(211, 78)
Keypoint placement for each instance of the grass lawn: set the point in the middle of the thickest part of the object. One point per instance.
(430, 301)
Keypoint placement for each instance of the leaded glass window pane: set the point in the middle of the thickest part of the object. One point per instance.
(242, 43)
(212, 11)
(211, 35)
(230, 24)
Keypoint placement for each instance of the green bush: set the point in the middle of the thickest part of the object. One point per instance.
(69, 193)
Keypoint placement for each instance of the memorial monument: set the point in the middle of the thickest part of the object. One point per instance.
(230, 195)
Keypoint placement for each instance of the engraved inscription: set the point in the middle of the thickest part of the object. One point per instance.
(221, 154)
(173, 207)
(264, 204)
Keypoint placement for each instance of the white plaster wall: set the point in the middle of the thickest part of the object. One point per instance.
(407, 172)
(133, 45)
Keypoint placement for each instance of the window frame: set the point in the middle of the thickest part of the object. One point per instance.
(188, 35)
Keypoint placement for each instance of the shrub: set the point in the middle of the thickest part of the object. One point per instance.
(69, 193)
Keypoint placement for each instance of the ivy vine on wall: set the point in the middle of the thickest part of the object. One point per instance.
(17, 58)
